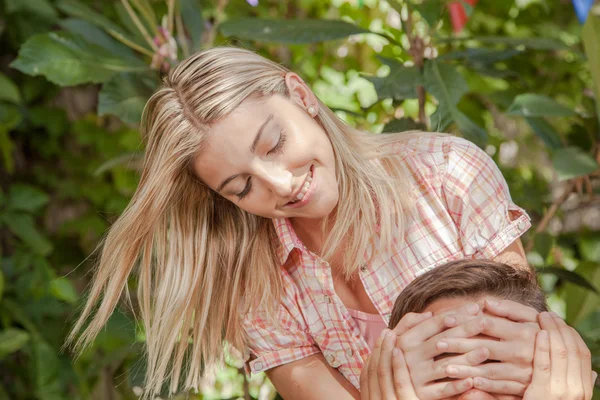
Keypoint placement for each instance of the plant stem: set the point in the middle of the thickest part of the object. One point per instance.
(416, 50)
(139, 24)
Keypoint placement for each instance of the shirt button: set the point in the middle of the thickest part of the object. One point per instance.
(363, 268)
(330, 358)
(349, 353)
(327, 298)
(522, 225)
(258, 366)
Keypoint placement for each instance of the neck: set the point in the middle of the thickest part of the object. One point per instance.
(310, 231)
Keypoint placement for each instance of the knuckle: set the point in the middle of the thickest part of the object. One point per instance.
(382, 371)
(524, 356)
(562, 353)
(543, 366)
(527, 334)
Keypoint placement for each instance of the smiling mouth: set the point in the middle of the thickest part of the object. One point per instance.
(304, 189)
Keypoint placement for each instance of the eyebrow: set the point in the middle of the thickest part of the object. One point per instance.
(252, 149)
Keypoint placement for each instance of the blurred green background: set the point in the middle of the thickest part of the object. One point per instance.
(521, 80)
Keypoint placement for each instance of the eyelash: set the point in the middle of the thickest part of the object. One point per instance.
(275, 150)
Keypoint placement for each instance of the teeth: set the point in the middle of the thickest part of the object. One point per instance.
(305, 187)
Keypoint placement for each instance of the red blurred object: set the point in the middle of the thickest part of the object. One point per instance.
(458, 14)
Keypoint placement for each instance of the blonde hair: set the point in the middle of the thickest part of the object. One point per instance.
(202, 262)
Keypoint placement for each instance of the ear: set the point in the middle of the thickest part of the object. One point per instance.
(300, 93)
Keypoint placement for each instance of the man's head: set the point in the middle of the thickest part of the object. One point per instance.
(447, 286)
(456, 283)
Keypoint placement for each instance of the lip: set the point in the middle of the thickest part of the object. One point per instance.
(307, 196)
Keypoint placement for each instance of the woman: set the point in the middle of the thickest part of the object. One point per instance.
(263, 220)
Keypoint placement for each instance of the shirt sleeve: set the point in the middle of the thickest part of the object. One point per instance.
(273, 343)
(479, 202)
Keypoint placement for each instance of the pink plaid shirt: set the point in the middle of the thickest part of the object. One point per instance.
(461, 211)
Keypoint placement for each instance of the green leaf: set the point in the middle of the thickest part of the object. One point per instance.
(23, 226)
(78, 9)
(23, 197)
(94, 35)
(298, 31)
(590, 326)
(537, 105)
(402, 125)
(431, 11)
(480, 56)
(43, 8)
(63, 289)
(545, 131)
(543, 243)
(571, 162)
(447, 85)
(125, 96)
(534, 43)
(67, 59)
(591, 45)
(191, 13)
(8, 90)
(1, 284)
(581, 303)
(569, 276)
(399, 84)
(590, 248)
(12, 340)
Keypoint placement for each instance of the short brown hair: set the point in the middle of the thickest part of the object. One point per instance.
(469, 278)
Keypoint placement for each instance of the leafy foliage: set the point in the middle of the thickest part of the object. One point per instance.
(522, 81)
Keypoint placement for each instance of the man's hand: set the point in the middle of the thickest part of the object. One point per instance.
(562, 364)
(510, 342)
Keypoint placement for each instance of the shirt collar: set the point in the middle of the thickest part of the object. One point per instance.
(287, 237)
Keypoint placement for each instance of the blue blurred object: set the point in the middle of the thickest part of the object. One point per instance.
(582, 9)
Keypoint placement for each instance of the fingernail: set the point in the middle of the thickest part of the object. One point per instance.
(383, 333)
(442, 345)
(545, 315)
(468, 383)
(450, 321)
(396, 352)
(492, 302)
(554, 315)
(428, 314)
(452, 370)
(478, 382)
(390, 335)
(473, 307)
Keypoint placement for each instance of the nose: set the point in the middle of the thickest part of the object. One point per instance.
(279, 180)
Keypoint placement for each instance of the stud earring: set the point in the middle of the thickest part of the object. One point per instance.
(311, 110)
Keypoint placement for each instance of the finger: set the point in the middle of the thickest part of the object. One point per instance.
(510, 309)
(467, 330)
(384, 369)
(364, 381)
(441, 390)
(574, 377)
(541, 362)
(374, 391)
(499, 351)
(505, 329)
(410, 320)
(558, 353)
(586, 366)
(432, 326)
(494, 371)
(501, 387)
(402, 384)
(472, 358)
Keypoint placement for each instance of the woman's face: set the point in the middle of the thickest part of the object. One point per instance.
(271, 158)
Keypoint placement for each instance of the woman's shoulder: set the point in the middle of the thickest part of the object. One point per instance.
(429, 151)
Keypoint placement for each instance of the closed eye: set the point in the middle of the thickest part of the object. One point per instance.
(279, 146)
(246, 190)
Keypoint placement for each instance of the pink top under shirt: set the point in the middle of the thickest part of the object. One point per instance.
(369, 325)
